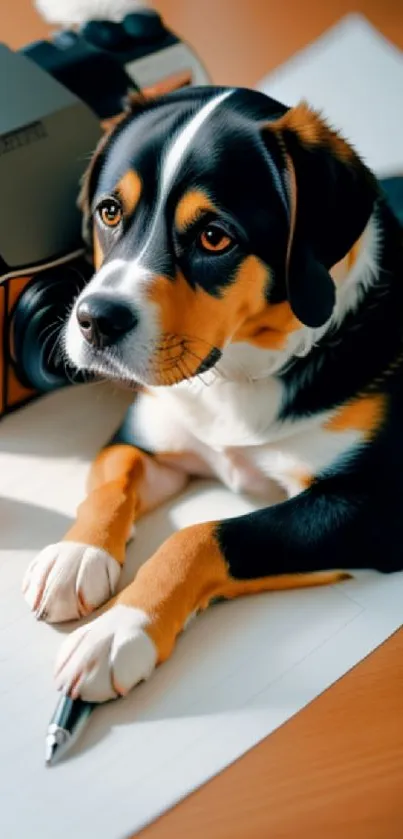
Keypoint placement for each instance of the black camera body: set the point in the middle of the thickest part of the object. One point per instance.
(104, 59)
(56, 97)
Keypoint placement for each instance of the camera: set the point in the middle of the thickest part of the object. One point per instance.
(56, 99)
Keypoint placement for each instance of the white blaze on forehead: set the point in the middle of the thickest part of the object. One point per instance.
(183, 140)
(174, 158)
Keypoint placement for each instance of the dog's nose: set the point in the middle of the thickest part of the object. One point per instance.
(103, 320)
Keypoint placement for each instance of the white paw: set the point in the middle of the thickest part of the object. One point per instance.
(69, 580)
(107, 657)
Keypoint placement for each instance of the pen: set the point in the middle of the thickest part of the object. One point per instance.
(69, 719)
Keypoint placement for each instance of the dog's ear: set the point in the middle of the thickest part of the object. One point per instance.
(331, 196)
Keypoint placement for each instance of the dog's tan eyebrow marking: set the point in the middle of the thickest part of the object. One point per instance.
(98, 252)
(129, 190)
(190, 207)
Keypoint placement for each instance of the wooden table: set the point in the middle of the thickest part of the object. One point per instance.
(335, 771)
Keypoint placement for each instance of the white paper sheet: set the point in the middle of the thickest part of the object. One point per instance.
(238, 672)
(355, 77)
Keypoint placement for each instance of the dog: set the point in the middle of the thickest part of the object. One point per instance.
(249, 282)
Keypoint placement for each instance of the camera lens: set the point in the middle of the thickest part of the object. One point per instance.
(37, 323)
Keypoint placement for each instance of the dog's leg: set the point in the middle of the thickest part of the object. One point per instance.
(71, 578)
(301, 542)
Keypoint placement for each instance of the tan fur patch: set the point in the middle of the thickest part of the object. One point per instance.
(354, 253)
(187, 573)
(107, 514)
(193, 322)
(129, 191)
(270, 328)
(366, 414)
(98, 252)
(190, 207)
(174, 82)
(342, 268)
(282, 582)
(300, 476)
(312, 130)
(124, 484)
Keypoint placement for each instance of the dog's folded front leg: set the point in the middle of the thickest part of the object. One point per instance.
(263, 551)
(120, 648)
(71, 578)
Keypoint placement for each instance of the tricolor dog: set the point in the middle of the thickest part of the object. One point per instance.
(249, 279)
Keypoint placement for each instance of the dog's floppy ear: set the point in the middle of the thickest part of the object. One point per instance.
(331, 196)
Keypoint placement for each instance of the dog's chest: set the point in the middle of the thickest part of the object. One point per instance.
(229, 414)
(234, 429)
(291, 462)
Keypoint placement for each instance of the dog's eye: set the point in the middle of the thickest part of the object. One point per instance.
(110, 212)
(214, 239)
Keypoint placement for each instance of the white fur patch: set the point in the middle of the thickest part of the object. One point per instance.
(349, 292)
(107, 657)
(363, 273)
(231, 429)
(68, 580)
(226, 414)
(70, 12)
(141, 345)
(302, 455)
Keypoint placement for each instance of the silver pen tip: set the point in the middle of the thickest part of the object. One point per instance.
(56, 741)
(51, 749)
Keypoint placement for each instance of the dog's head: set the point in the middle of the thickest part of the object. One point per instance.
(215, 216)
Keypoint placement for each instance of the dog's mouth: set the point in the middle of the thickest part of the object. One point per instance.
(101, 368)
(179, 359)
(172, 363)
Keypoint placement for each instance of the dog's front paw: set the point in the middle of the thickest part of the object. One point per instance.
(107, 657)
(69, 580)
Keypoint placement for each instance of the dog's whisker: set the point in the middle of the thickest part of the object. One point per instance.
(176, 357)
(188, 375)
(48, 330)
(55, 345)
(234, 370)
